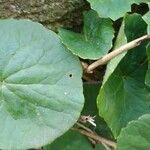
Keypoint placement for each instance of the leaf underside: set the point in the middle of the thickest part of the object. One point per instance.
(39, 82)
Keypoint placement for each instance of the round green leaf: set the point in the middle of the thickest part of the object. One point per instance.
(96, 39)
(136, 136)
(113, 9)
(41, 93)
(124, 96)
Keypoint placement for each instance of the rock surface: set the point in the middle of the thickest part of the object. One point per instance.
(51, 13)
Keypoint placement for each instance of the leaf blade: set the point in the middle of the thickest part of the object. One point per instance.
(113, 9)
(36, 88)
(95, 41)
(125, 90)
(135, 135)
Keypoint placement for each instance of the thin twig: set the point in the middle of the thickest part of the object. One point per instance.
(116, 52)
(96, 137)
(84, 127)
(89, 130)
(85, 76)
(87, 79)
(106, 147)
(84, 65)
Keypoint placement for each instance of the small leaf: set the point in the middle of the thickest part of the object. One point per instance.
(72, 140)
(136, 136)
(113, 9)
(124, 96)
(95, 41)
(41, 93)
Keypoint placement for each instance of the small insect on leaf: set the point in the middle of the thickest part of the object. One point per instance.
(90, 119)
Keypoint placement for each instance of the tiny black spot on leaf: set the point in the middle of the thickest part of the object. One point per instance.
(70, 75)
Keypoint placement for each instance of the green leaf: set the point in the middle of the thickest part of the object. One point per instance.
(146, 17)
(124, 96)
(120, 40)
(41, 93)
(113, 9)
(136, 136)
(147, 79)
(72, 140)
(96, 39)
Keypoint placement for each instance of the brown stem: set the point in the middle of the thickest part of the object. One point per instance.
(84, 65)
(106, 147)
(89, 130)
(116, 52)
(83, 127)
(96, 137)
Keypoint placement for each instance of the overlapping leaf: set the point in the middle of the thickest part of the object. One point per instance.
(124, 96)
(113, 9)
(146, 17)
(95, 41)
(136, 136)
(120, 40)
(72, 140)
(147, 79)
(41, 94)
